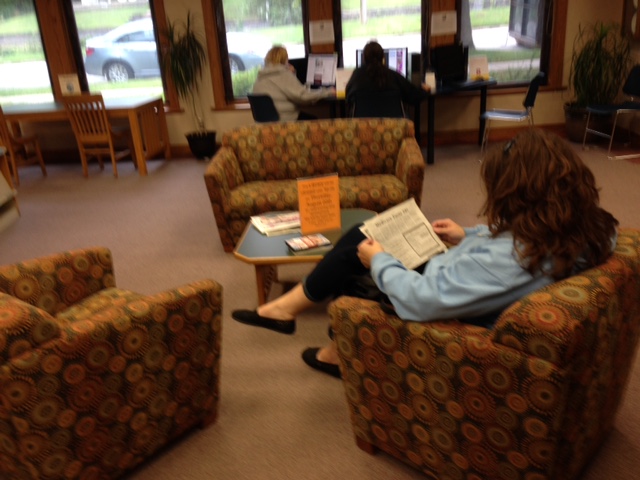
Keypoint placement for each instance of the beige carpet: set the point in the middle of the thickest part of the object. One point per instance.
(278, 418)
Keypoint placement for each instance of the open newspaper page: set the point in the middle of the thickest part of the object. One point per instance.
(404, 232)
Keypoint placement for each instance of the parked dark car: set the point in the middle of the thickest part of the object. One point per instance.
(129, 51)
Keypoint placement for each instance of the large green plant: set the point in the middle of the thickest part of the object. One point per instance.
(599, 64)
(184, 60)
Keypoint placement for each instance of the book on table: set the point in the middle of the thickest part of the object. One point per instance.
(309, 244)
(404, 232)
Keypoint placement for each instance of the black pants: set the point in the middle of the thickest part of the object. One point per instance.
(328, 277)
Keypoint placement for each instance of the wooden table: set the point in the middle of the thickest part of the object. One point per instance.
(266, 253)
(146, 118)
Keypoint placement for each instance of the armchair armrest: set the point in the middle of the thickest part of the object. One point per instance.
(55, 282)
(410, 167)
(23, 327)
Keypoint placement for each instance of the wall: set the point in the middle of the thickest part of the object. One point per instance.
(453, 115)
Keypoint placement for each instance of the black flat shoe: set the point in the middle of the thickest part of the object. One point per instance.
(310, 357)
(251, 317)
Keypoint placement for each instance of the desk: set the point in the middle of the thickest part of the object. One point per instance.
(444, 90)
(146, 120)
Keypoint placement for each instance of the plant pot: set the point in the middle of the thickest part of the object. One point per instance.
(576, 122)
(202, 144)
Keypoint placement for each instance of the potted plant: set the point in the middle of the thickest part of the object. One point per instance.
(184, 60)
(600, 64)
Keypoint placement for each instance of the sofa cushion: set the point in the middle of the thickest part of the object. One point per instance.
(373, 192)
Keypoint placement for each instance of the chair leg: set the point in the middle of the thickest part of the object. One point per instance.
(13, 166)
(613, 131)
(586, 129)
(485, 137)
(40, 159)
(83, 160)
(114, 162)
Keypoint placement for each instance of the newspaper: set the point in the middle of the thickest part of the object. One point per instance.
(277, 223)
(404, 232)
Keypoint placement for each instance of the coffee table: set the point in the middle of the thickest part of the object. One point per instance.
(266, 253)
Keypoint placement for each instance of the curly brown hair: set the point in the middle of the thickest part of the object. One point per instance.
(539, 189)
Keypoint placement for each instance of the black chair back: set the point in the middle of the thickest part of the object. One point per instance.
(532, 91)
(378, 104)
(632, 84)
(263, 108)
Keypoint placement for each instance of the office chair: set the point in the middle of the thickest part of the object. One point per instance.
(263, 108)
(631, 89)
(23, 147)
(387, 104)
(93, 131)
(514, 115)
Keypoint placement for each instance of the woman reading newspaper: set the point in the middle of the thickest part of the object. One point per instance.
(544, 223)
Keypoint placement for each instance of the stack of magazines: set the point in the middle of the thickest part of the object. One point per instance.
(277, 223)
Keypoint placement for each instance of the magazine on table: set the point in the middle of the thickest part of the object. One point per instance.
(404, 232)
(277, 223)
(309, 244)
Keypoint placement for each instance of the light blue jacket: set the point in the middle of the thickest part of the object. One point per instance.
(479, 276)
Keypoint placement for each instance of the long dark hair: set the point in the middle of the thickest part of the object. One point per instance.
(539, 189)
(373, 58)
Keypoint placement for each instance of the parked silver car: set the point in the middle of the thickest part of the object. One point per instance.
(129, 51)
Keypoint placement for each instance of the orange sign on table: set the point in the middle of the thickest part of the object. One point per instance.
(319, 203)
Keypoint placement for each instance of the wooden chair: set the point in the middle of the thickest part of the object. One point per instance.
(19, 147)
(93, 131)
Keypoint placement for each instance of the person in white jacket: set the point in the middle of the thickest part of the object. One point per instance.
(278, 80)
(544, 223)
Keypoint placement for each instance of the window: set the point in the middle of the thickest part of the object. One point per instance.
(119, 47)
(392, 24)
(510, 33)
(24, 75)
(252, 27)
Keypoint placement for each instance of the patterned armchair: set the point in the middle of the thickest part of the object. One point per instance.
(379, 163)
(93, 378)
(532, 398)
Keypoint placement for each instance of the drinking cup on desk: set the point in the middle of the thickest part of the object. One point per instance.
(430, 81)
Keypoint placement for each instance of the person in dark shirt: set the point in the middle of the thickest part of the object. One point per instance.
(375, 76)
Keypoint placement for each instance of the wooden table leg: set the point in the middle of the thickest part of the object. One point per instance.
(265, 276)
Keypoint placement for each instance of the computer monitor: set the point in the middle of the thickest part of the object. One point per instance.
(300, 66)
(395, 58)
(450, 63)
(321, 69)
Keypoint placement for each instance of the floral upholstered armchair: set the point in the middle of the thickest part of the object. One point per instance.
(93, 378)
(378, 161)
(532, 398)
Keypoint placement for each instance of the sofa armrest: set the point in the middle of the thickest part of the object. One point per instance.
(55, 282)
(222, 176)
(23, 327)
(410, 167)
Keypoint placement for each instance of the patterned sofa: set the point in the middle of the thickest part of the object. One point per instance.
(533, 398)
(255, 170)
(93, 378)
